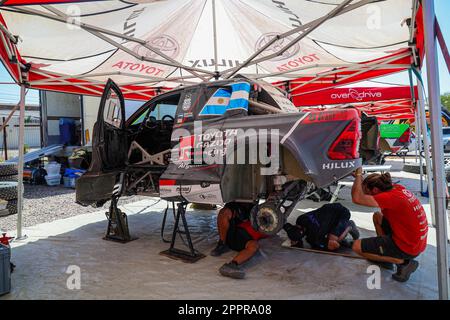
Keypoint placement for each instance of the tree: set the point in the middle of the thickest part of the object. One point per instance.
(445, 100)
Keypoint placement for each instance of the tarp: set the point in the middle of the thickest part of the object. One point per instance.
(143, 44)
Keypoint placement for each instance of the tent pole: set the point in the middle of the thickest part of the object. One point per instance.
(416, 119)
(437, 147)
(426, 147)
(216, 66)
(419, 144)
(20, 163)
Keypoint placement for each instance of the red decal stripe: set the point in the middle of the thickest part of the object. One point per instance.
(167, 182)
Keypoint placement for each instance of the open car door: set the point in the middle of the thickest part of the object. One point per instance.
(109, 149)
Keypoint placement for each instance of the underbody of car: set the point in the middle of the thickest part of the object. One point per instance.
(232, 140)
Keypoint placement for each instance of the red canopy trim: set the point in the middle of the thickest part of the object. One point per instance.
(419, 37)
(383, 110)
(11, 67)
(352, 95)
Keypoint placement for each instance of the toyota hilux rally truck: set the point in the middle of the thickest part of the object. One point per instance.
(153, 151)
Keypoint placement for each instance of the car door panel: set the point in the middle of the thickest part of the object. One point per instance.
(109, 149)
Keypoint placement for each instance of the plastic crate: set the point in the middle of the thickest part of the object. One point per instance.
(53, 180)
(69, 182)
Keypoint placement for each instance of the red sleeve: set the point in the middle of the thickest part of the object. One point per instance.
(383, 199)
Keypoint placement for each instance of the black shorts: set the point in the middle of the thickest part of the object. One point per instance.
(237, 238)
(384, 245)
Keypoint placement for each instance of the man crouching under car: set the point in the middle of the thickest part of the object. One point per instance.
(236, 233)
(325, 228)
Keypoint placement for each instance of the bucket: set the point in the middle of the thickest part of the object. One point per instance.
(53, 168)
(53, 180)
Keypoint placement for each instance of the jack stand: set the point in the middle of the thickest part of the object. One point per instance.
(190, 256)
(117, 224)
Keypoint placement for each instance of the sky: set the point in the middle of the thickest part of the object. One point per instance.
(10, 93)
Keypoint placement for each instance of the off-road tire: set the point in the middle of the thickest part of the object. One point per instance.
(12, 206)
(7, 169)
(12, 177)
(8, 190)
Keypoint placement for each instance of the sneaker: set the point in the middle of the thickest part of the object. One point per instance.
(232, 270)
(404, 271)
(354, 232)
(297, 244)
(220, 249)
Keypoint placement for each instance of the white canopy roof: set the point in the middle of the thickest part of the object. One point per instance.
(165, 43)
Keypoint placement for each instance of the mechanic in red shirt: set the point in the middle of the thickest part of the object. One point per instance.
(236, 233)
(401, 225)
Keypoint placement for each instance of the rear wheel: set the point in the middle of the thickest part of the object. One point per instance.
(267, 219)
(270, 216)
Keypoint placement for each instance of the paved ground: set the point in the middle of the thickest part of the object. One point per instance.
(44, 204)
(136, 270)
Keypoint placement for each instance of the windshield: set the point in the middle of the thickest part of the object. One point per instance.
(161, 110)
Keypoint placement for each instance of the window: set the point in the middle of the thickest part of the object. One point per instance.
(112, 113)
(163, 107)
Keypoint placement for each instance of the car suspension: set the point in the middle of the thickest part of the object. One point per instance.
(270, 216)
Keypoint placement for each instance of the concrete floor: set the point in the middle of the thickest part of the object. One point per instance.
(136, 270)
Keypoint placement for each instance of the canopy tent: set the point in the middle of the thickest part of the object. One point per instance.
(141, 44)
(306, 46)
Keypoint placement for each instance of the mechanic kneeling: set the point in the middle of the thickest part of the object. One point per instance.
(401, 226)
(325, 228)
(236, 233)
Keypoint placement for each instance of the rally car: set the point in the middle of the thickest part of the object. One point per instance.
(217, 142)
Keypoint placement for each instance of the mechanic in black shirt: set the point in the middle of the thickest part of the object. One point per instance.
(324, 228)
